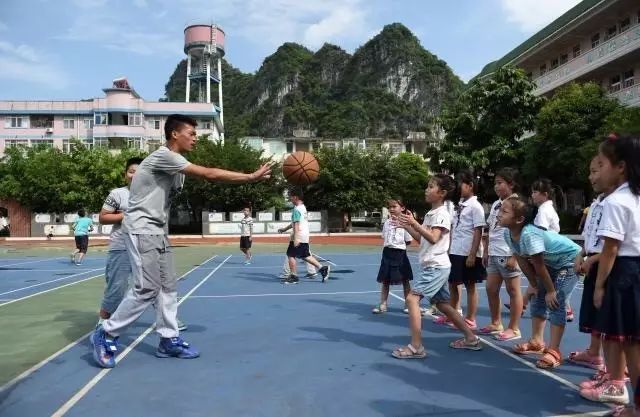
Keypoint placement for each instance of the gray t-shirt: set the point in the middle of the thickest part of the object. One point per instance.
(157, 181)
(117, 201)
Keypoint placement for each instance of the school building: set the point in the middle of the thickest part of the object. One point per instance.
(121, 119)
(597, 40)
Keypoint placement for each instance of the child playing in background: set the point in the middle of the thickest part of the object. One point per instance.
(434, 260)
(465, 253)
(246, 234)
(81, 228)
(547, 260)
(617, 287)
(501, 264)
(395, 268)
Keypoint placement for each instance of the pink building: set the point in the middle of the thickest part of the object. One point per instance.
(121, 119)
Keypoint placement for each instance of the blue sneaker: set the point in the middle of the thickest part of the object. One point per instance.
(104, 348)
(177, 348)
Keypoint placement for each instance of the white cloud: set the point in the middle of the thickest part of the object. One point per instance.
(342, 21)
(23, 63)
(532, 15)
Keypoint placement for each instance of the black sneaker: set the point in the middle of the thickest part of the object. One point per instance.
(324, 271)
(292, 279)
(311, 276)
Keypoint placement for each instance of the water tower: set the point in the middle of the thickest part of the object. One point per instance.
(204, 46)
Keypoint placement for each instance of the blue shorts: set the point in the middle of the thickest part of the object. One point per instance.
(117, 275)
(433, 283)
(564, 281)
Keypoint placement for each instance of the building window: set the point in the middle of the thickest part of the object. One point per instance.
(154, 124)
(595, 40)
(543, 69)
(554, 63)
(614, 84)
(625, 24)
(100, 142)
(611, 32)
(100, 119)
(628, 79)
(153, 145)
(205, 124)
(88, 123)
(43, 143)
(10, 143)
(564, 58)
(41, 122)
(134, 143)
(576, 51)
(69, 123)
(408, 148)
(16, 122)
(396, 148)
(289, 147)
(135, 119)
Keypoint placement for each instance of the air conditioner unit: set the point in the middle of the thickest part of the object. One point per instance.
(49, 130)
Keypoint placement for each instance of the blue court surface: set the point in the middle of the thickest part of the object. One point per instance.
(272, 350)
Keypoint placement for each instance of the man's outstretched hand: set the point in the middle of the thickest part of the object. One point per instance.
(263, 173)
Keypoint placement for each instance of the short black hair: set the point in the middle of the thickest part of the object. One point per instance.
(175, 122)
(446, 184)
(297, 192)
(543, 185)
(82, 213)
(624, 149)
(132, 161)
(511, 176)
(466, 177)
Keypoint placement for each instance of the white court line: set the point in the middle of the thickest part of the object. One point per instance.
(39, 365)
(49, 290)
(183, 276)
(284, 294)
(49, 282)
(519, 359)
(92, 383)
(323, 259)
(32, 262)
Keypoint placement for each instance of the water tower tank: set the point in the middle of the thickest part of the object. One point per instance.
(201, 37)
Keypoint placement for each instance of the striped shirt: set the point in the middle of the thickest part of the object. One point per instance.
(246, 226)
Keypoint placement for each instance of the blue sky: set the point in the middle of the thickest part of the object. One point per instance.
(71, 49)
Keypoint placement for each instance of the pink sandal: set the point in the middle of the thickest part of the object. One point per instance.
(508, 335)
(441, 320)
(585, 359)
(491, 329)
(463, 344)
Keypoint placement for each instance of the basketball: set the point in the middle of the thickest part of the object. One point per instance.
(300, 168)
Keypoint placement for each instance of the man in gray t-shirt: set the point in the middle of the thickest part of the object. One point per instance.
(159, 178)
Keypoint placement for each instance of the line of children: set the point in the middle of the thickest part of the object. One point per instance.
(395, 268)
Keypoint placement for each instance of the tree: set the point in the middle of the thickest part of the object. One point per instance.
(485, 123)
(350, 180)
(231, 155)
(623, 120)
(566, 134)
(49, 180)
(409, 174)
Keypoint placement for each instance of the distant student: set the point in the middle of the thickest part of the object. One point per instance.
(501, 264)
(395, 268)
(617, 287)
(466, 250)
(299, 243)
(433, 235)
(246, 234)
(547, 260)
(81, 228)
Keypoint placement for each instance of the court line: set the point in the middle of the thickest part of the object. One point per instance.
(32, 262)
(40, 270)
(519, 359)
(48, 282)
(284, 294)
(280, 266)
(323, 259)
(94, 381)
(42, 363)
(49, 290)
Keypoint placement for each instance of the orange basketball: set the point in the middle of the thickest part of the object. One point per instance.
(300, 168)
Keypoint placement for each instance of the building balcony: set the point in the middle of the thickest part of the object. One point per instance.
(628, 96)
(604, 53)
(118, 131)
